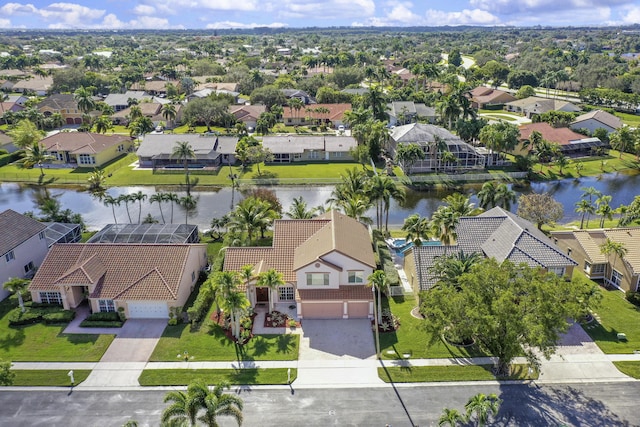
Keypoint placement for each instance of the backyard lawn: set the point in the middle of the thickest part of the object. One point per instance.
(46, 343)
(177, 377)
(615, 315)
(410, 341)
(592, 166)
(209, 343)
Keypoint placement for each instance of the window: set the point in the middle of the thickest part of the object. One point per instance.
(285, 293)
(356, 276)
(106, 305)
(317, 279)
(50, 298)
(120, 147)
(29, 267)
(616, 278)
(57, 155)
(41, 235)
(9, 256)
(598, 269)
(313, 154)
(87, 159)
(558, 270)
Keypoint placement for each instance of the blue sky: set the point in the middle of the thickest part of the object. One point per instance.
(192, 14)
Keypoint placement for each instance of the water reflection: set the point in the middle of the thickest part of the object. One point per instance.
(216, 202)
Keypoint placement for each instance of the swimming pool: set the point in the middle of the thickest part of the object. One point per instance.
(400, 245)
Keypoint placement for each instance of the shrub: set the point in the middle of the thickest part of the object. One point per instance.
(633, 297)
(121, 315)
(201, 305)
(111, 316)
(63, 316)
(29, 317)
(10, 158)
(173, 321)
(100, 324)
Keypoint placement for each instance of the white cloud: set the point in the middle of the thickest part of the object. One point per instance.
(324, 10)
(143, 9)
(547, 7)
(231, 24)
(631, 15)
(174, 7)
(464, 17)
(17, 8)
(142, 22)
(5, 23)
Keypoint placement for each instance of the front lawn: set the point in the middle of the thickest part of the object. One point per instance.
(423, 374)
(411, 340)
(615, 315)
(47, 343)
(179, 377)
(630, 368)
(209, 343)
(48, 378)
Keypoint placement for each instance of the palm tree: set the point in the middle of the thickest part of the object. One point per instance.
(25, 134)
(17, 286)
(618, 250)
(138, 197)
(584, 207)
(235, 304)
(183, 409)
(169, 112)
(487, 195)
(443, 223)
(382, 189)
(451, 418)
(224, 283)
(103, 124)
(604, 209)
(448, 268)
(270, 279)
(251, 214)
(298, 209)
(417, 229)
(461, 205)
(96, 180)
(356, 207)
(126, 198)
(217, 403)
(593, 194)
(483, 407)
(173, 198)
(36, 155)
(159, 198)
(504, 196)
(378, 279)
(84, 99)
(188, 203)
(109, 200)
(183, 151)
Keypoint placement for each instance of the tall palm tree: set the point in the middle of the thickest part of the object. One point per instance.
(450, 418)
(443, 223)
(183, 409)
(417, 229)
(109, 200)
(103, 124)
(36, 155)
(188, 203)
(483, 407)
(356, 207)
(235, 304)
(17, 286)
(592, 194)
(270, 279)
(618, 250)
(138, 197)
(378, 279)
(126, 198)
(173, 198)
(461, 205)
(298, 209)
(224, 283)
(381, 190)
(249, 215)
(183, 151)
(448, 268)
(584, 207)
(487, 195)
(158, 198)
(504, 196)
(84, 99)
(604, 209)
(169, 113)
(217, 403)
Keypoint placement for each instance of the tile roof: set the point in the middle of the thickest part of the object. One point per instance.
(350, 292)
(590, 240)
(562, 136)
(336, 111)
(498, 234)
(16, 229)
(59, 101)
(118, 271)
(162, 145)
(603, 117)
(300, 143)
(420, 132)
(82, 142)
(297, 243)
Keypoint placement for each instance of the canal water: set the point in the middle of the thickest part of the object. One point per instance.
(217, 202)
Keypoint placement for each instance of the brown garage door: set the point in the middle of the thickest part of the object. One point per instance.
(358, 310)
(322, 310)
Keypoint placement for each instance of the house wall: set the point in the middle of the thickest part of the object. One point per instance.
(108, 154)
(347, 264)
(591, 125)
(32, 250)
(411, 271)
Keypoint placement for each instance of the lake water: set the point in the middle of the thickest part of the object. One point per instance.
(217, 202)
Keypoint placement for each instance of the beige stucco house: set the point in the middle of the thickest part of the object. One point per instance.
(584, 246)
(85, 148)
(325, 263)
(146, 280)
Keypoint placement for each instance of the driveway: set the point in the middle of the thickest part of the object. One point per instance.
(340, 339)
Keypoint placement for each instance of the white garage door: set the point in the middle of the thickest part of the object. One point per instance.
(148, 310)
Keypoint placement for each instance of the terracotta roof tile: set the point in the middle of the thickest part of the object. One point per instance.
(344, 293)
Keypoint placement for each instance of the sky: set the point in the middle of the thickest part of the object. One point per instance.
(218, 14)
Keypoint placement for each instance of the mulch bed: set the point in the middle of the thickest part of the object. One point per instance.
(275, 319)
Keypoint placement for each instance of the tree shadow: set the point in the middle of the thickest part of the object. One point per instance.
(12, 340)
(554, 405)
(259, 346)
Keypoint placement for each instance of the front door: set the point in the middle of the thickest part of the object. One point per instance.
(262, 294)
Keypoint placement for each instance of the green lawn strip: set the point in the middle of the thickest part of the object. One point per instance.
(421, 374)
(253, 376)
(630, 368)
(632, 120)
(209, 343)
(591, 166)
(47, 343)
(411, 338)
(615, 315)
(48, 377)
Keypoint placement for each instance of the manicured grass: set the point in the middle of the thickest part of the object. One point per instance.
(615, 315)
(592, 166)
(630, 368)
(421, 374)
(632, 120)
(47, 343)
(177, 377)
(210, 343)
(412, 339)
(48, 378)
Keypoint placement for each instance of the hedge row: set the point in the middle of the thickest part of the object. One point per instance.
(10, 158)
(100, 324)
(47, 315)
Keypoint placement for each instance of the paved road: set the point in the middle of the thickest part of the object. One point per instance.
(588, 404)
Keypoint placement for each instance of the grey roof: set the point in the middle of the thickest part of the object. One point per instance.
(420, 132)
(205, 146)
(409, 107)
(61, 232)
(123, 98)
(298, 144)
(603, 117)
(498, 234)
(146, 233)
(16, 229)
(356, 91)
